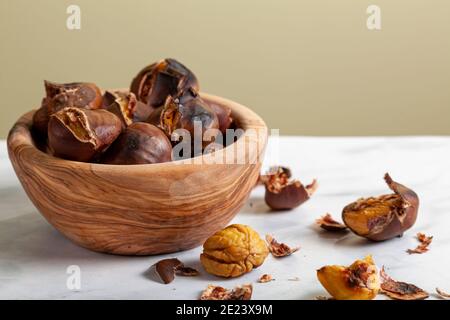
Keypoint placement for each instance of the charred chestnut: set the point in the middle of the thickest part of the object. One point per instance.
(140, 143)
(76, 94)
(80, 134)
(188, 112)
(156, 82)
(125, 106)
(59, 96)
(384, 217)
(223, 114)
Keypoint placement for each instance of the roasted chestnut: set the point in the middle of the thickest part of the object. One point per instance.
(40, 120)
(77, 94)
(59, 96)
(140, 143)
(156, 82)
(359, 281)
(80, 134)
(223, 114)
(384, 217)
(125, 106)
(189, 112)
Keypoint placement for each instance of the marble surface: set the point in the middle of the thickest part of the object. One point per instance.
(34, 257)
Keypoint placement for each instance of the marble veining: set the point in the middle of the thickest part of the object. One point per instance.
(34, 256)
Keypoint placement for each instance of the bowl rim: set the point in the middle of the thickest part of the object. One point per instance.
(20, 138)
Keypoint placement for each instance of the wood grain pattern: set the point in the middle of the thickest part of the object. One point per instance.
(140, 209)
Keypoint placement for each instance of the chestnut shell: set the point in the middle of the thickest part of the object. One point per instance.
(80, 134)
(156, 82)
(140, 143)
(184, 111)
(399, 219)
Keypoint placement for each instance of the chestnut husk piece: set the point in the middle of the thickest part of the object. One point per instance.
(140, 143)
(185, 112)
(156, 82)
(125, 106)
(328, 223)
(384, 217)
(400, 290)
(81, 134)
(166, 270)
(283, 193)
(242, 292)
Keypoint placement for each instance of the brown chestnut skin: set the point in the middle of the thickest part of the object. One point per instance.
(77, 94)
(156, 82)
(140, 143)
(125, 106)
(290, 196)
(184, 112)
(59, 96)
(40, 121)
(223, 114)
(384, 217)
(283, 193)
(81, 134)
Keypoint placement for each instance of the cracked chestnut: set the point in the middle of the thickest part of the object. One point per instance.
(80, 134)
(140, 143)
(156, 82)
(384, 217)
(125, 106)
(189, 112)
(59, 96)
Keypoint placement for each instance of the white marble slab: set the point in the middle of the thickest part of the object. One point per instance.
(34, 256)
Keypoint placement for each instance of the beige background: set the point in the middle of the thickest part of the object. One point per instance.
(308, 67)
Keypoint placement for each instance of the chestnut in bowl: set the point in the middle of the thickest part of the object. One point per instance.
(140, 209)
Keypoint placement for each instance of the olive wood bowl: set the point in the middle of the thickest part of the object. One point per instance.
(141, 209)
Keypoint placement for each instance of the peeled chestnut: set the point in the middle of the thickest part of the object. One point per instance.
(59, 96)
(359, 281)
(125, 106)
(140, 143)
(189, 112)
(384, 217)
(156, 82)
(80, 134)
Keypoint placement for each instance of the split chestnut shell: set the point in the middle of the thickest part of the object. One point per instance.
(384, 217)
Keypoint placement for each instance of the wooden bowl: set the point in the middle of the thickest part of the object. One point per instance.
(140, 209)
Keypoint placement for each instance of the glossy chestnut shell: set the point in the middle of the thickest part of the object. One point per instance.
(80, 134)
(156, 82)
(140, 143)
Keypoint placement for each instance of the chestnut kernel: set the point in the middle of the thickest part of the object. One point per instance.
(384, 217)
(359, 281)
(140, 143)
(80, 134)
(156, 82)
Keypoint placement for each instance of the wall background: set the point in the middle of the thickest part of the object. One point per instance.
(307, 67)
